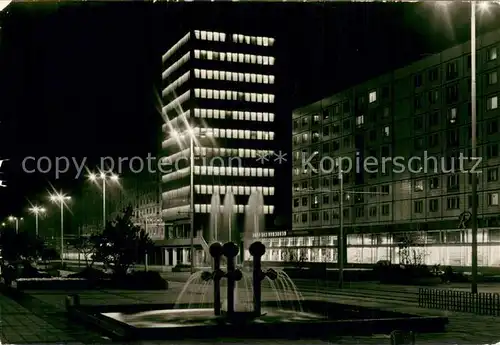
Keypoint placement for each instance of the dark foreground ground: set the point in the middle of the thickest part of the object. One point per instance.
(41, 318)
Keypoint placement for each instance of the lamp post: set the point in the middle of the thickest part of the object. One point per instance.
(37, 210)
(61, 199)
(104, 177)
(342, 192)
(483, 6)
(341, 235)
(474, 146)
(16, 221)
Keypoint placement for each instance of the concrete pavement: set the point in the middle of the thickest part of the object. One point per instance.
(42, 319)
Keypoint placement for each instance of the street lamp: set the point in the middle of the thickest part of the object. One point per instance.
(191, 133)
(341, 249)
(60, 198)
(340, 239)
(483, 6)
(104, 177)
(16, 220)
(37, 210)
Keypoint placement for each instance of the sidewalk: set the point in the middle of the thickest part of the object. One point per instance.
(19, 325)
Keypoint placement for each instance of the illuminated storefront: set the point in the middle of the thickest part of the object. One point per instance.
(451, 247)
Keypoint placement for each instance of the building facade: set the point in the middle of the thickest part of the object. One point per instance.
(218, 96)
(406, 133)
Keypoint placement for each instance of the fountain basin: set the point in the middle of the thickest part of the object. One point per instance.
(319, 320)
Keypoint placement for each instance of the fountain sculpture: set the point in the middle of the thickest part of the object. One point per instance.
(230, 251)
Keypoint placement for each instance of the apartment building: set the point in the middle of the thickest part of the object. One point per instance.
(219, 101)
(422, 110)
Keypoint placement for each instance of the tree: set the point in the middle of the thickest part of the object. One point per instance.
(86, 247)
(411, 248)
(122, 244)
(18, 246)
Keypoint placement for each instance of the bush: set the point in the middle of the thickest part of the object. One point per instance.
(51, 284)
(181, 268)
(405, 274)
(140, 280)
(90, 273)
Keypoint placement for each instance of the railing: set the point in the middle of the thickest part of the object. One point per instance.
(461, 301)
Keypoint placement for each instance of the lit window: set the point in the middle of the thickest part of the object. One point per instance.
(259, 41)
(210, 74)
(493, 199)
(452, 116)
(204, 74)
(387, 131)
(247, 39)
(372, 96)
(271, 79)
(253, 78)
(216, 75)
(253, 59)
(210, 36)
(492, 53)
(216, 36)
(266, 98)
(222, 56)
(235, 37)
(197, 54)
(259, 59)
(210, 55)
(203, 35)
(216, 94)
(266, 41)
(492, 103)
(241, 77)
(203, 93)
(360, 120)
(271, 61)
(197, 92)
(266, 60)
(241, 57)
(222, 94)
(240, 38)
(492, 78)
(197, 34)
(271, 98)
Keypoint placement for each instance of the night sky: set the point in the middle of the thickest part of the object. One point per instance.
(80, 80)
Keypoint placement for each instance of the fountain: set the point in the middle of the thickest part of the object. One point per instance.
(230, 251)
(214, 225)
(286, 316)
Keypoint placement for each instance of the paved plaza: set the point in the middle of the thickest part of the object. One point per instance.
(40, 318)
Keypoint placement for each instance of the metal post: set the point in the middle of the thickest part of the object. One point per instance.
(104, 202)
(257, 288)
(36, 224)
(191, 192)
(146, 254)
(217, 301)
(62, 232)
(341, 233)
(17, 225)
(474, 144)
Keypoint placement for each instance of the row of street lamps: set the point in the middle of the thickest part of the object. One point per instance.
(61, 200)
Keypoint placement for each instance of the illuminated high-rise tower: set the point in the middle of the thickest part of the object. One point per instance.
(218, 103)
